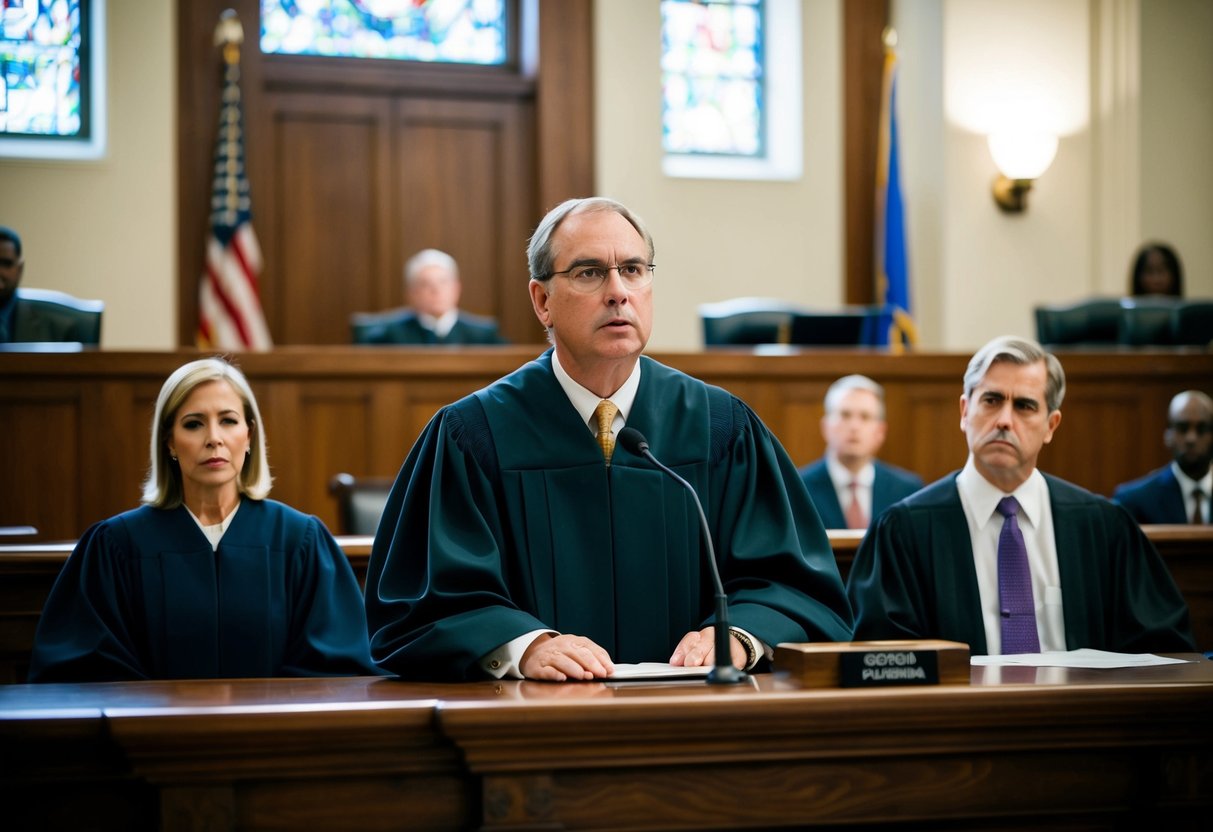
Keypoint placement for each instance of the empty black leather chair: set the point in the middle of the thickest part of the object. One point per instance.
(360, 502)
(47, 315)
(1146, 321)
(747, 321)
(853, 327)
(1192, 323)
(1091, 322)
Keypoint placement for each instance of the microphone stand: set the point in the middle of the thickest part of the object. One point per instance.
(724, 673)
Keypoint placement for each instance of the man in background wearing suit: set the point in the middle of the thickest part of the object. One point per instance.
(1179, 492)
(1007, 559)
(431, 279)
(849, 485)
(22, 321)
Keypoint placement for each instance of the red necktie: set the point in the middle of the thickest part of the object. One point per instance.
(856, 519)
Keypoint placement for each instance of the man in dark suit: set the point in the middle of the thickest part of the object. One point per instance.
(1179, 492)
(849, 485)
(22, 320)
(1007, 559)
(431, 280)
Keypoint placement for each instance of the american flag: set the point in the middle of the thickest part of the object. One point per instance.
(229, 303)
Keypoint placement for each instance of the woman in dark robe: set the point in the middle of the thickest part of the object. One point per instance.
(208, 578)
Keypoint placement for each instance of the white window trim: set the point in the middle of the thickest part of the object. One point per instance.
(783, 110)
(93, 147)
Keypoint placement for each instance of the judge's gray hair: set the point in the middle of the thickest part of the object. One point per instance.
(540, 257)
(429, 257)
(1022, 351)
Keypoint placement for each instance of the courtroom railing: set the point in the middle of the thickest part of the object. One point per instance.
(27, 572)
(83, 418)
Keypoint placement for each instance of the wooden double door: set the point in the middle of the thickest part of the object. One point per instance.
(355, 165)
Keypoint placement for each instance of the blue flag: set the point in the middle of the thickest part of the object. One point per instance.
(896, 327)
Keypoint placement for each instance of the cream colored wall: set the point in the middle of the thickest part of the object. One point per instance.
(107, 228)
(716, 238)
(975, 271)
(996, 266)
(1177, 134)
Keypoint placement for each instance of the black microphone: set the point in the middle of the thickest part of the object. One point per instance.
(724, 673)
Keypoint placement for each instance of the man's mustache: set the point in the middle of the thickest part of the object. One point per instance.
(1001, 436)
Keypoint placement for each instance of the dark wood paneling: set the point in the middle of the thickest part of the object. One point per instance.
(462, 173)
(863, 70)
(326, 252)
(58, 414)
(565, 103)
(83, 418)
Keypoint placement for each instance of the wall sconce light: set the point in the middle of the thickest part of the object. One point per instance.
(1021, 157)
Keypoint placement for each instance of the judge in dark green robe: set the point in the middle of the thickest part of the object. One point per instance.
(208, 579)
(931, 567)
(913, 576)
(506, 520)
(144, 596)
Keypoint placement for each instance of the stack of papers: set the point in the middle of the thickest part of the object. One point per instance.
(1078, 658)
(647, 671)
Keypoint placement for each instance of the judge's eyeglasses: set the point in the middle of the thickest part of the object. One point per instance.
(590, 277)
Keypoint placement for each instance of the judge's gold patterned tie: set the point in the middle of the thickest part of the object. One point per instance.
(605, 414)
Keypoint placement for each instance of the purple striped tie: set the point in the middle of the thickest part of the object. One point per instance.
(1015, 603)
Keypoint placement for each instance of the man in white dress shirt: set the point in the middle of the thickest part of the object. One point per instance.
(849, 485)
(931, 566)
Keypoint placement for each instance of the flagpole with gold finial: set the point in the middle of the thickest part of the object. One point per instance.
(229, 34)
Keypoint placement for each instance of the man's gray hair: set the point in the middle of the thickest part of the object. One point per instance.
(540, 257)
(1022, 351)
(429, 257)
(845, 385)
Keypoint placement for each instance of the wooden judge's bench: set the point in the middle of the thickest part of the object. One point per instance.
(1018, 748)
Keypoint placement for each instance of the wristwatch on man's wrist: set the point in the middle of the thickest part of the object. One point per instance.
(751, 651)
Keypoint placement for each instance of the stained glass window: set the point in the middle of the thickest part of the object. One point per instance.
(713, 69)
(452, 31)
(44, 69)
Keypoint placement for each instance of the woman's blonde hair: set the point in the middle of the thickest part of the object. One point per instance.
(162, 488)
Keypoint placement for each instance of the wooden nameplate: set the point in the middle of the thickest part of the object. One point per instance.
(871, 664)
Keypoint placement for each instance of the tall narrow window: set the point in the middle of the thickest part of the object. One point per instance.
(731, 88)
(712, 76)
(450, 31)
(51, 84)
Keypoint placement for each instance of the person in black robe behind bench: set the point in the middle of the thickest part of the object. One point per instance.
(511, 544)
(208, 579)
(930, 566)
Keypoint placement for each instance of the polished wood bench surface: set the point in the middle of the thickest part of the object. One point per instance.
(1018, 747)
(27, 572)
